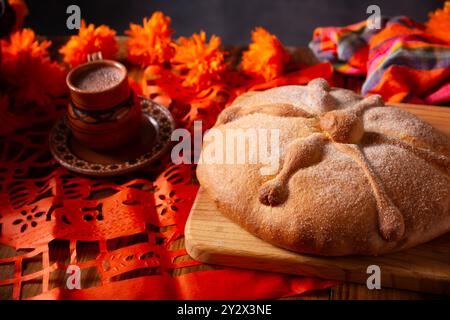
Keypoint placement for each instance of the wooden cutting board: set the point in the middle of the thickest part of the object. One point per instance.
(212, 238)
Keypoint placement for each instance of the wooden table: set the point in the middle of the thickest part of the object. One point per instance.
(344, 291)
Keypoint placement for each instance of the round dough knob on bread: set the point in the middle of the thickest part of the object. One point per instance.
(354, 176)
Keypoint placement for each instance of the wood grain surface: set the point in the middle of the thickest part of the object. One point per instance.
(213, 238)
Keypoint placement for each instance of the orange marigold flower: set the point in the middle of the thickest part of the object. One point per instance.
(29, 73)
(265, 57)
(150, 43)
(198, 63)
(439, 23)
(90, 40)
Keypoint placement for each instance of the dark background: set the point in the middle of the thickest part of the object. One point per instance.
(292, 21)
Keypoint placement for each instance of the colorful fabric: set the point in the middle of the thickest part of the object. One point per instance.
(401, 61)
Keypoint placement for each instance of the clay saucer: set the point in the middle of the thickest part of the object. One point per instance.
(151, 143)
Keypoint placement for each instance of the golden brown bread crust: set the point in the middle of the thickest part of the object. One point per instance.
(355, 177)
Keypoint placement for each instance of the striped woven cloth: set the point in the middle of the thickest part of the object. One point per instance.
(400, 60)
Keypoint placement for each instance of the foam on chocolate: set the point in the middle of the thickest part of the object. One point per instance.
(98, 79)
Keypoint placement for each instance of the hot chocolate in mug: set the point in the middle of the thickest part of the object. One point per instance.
(103, 113)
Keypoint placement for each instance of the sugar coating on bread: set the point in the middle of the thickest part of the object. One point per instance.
(355, 176)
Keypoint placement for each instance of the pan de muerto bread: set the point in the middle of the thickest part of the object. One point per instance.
(354, 176)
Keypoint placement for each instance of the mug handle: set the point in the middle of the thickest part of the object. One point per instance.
(96, 56)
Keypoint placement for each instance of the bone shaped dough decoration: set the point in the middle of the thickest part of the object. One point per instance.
(340, 122)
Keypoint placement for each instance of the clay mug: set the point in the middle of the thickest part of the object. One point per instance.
(103, 112)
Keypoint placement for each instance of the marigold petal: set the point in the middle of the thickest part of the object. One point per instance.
(90, 39)
(152, 42)
(265, 56)
(439, 23)
(31, 76)
(197, 62)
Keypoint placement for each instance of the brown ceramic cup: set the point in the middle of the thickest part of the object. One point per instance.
(103, 112)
